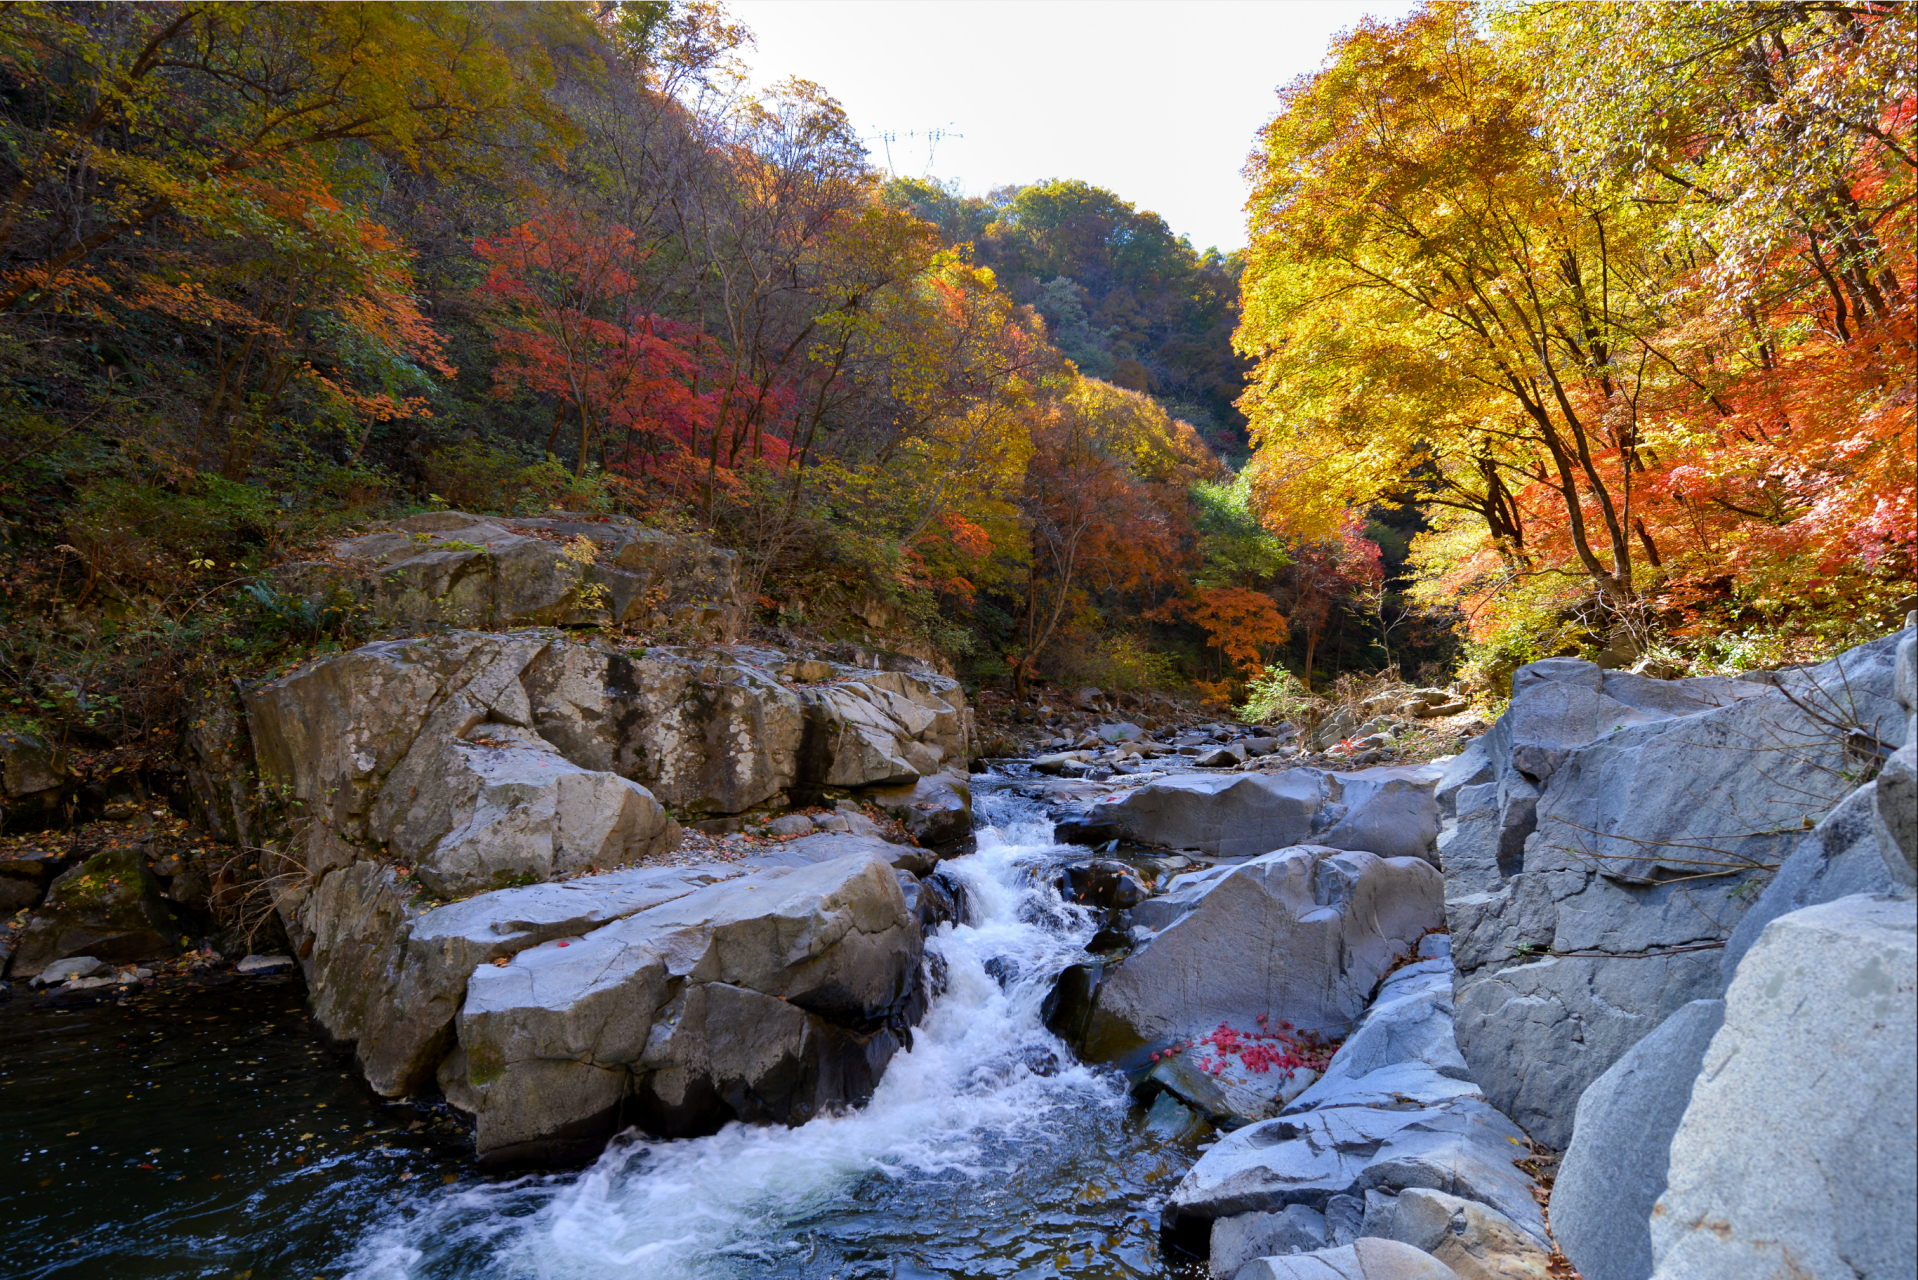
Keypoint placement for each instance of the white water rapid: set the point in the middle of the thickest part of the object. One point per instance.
(987, 1150)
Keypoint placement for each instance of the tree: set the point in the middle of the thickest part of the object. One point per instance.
(145, 112)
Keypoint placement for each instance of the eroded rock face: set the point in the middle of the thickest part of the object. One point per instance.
(1795, 1155)
(1628, 826)
(449, 568)
(772, 996)
(701, 729)
(1300, 936)
(423, 749)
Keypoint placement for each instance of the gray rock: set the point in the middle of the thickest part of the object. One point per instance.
(1838, 858)
(502, 807)
(263, 964)
(419, 985)
(1614, 1171)
(1541, 1028)
(1238, 1240)
(68, 969)
(1388, 811)
(1239, 816)
(1366, 1259)
(790, 824)
(1464, 1149)
(24, 878)
(1403, 1054)
(739, 1000)
(703, 729)
(1795, 1155)
(1646, 816)
(935, 810)
(1474, 1240)
(1226, 757)
(1469, 768)
(1300, 936)
(109, 908)
(1895, 814)
(33, 775)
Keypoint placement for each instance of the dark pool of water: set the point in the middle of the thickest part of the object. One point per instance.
(195, 1132)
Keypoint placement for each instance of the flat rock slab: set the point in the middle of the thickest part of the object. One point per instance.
(1404, 1054)
(409, 1028)
(1368, 1259)
(1465, 1149)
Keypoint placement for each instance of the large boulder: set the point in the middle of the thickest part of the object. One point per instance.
(109, 907)
(935, 811)
(1389, 811)
(501, 807)
(1798, 1152)
(1630, 824)
(406, 994)
(1301, 936)
(721, 730)
(1614, 1171)
(423, 749)
(775, 996)
(451, 568)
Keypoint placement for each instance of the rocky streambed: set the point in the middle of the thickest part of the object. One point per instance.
(716, 960)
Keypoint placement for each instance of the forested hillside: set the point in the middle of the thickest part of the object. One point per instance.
(1568, 329)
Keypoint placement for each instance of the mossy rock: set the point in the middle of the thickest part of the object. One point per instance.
(109, 907)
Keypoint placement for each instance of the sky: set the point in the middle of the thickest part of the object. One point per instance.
(1156, 100)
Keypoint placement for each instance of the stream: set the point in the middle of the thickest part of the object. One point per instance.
(209, 1136)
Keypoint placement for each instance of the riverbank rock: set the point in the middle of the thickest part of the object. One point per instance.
(1404, 1052)
(774, 996)
(403, 1033)
(1388, 811)
(448, 568)
(1630, 823)
(1796, 1153)
(936, 811)
(1393, 1141)
(1615, 1169)
(1301, 935)
(108, 907)
(703, 730)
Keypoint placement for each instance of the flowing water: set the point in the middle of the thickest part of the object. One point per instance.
(986, 1151)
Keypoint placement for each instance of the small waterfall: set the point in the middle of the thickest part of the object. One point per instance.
(986, 1141)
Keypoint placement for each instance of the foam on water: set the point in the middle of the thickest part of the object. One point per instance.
(983, 1086)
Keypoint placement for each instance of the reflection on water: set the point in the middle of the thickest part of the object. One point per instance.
(987, 1151)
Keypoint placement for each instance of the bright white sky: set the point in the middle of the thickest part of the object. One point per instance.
(1156, 100)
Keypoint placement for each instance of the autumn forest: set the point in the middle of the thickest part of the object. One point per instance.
(1563, 329)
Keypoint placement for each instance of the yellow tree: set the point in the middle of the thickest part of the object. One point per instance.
(1435, 310)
